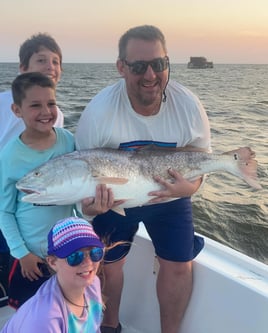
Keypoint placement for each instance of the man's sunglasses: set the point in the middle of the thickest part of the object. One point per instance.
(140, 67)
(76, 258)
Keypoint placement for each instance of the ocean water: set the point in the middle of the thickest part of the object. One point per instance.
(236, 99)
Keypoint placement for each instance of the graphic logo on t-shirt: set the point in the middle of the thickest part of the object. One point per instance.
(134, 145)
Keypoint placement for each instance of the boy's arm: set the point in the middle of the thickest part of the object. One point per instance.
(9, 227)
(8, 222)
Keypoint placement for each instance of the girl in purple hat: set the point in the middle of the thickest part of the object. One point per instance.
(70, 301)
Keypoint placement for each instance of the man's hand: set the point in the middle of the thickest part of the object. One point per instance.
(179, 188)
(103, 201)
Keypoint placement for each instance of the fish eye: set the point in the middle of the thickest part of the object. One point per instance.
(37, 173)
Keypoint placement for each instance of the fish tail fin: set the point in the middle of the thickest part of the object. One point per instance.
(247, 165)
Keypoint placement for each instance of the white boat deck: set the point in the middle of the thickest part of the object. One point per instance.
(5, 313)
(230, 292)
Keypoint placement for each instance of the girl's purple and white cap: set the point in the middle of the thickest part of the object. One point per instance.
(69, 235)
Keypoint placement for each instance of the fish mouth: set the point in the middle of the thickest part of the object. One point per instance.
(30, 196)
(29, 191)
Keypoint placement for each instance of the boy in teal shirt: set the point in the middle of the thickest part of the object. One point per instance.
(39, 53)
(24, 225)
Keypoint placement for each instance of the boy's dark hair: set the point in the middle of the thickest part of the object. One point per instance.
(144, 32)
(34, 43)
(25, 81)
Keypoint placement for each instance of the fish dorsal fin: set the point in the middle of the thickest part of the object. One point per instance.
(191, 149)
(154, 147)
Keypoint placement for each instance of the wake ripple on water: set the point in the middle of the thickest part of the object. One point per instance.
(236, 225)
(229, 211)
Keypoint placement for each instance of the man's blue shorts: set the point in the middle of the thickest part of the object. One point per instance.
(170, 226)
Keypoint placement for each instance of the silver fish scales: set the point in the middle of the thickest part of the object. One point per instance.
(71, 177)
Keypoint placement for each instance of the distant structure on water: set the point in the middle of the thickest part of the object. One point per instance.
(199, 62)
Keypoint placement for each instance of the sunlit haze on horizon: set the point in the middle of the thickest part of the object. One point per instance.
(222, 31)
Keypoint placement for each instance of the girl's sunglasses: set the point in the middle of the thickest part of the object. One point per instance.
(76, 258)
(140, 67)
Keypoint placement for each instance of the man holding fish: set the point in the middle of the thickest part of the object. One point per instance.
(142, 108)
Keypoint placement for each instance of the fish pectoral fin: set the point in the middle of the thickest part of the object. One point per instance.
(112, 180)
(119, 211)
